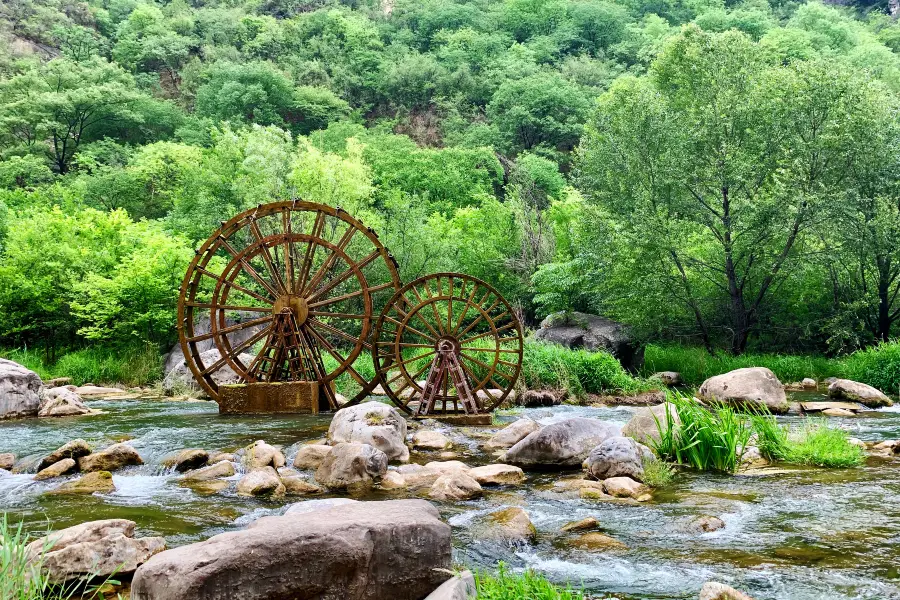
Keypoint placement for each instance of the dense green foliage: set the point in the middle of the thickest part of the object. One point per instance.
(576, 372)
(506, 585)
(720, 173)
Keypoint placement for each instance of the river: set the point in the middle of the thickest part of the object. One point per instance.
(809, 534)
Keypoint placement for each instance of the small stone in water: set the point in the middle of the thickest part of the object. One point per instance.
(598, 541)
(582, 525)
(57, 469)
(7, 460)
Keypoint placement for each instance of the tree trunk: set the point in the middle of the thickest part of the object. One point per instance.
(883, 330)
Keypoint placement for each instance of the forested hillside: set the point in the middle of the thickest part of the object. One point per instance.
(717, 173)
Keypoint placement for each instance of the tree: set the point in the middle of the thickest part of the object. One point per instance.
(66, 102)
(717, 165)
(540, 110)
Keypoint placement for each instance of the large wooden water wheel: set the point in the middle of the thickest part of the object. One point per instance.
(285, 292)
(447, 343)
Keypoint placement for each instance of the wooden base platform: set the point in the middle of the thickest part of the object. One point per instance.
(290, 397)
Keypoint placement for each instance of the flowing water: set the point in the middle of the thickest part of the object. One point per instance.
(808, 534)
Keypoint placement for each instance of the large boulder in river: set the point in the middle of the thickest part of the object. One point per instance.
(617, 456)
(110, 459)
(259, 454)
(647, 424)
(352, 466)
(96, 548)
(363, 550)
(563, 444)
(310, 456)
(511, 434)
(713, 590)
(20, 391)
(751, 388)
(74, 450)
(62, 402)
(858, 392)
(592, 332)
(372, 423)
(455, 485)
(181, 378)
(263, 481)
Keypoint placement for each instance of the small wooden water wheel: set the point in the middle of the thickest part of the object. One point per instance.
(284, 292)
(447, 343)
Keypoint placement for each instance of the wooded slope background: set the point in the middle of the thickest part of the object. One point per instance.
(715, 173)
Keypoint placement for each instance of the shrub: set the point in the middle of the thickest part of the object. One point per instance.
(696, 364)
(878, 366)
(140, 365)
(708, 440)
(505, 585)
(576, 371)
(819, 445)
(658, 473)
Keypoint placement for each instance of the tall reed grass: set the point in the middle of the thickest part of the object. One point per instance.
(130, 366)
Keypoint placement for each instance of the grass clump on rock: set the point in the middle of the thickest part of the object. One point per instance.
(505, 585)
(813, 444)
(658, 473)
(709, 439)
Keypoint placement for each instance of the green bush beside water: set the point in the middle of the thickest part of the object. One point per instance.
(505, 585)
(878, 366)
(132, 367)
(576, 371)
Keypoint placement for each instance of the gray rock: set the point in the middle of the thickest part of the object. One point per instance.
(309, 506)
(263, 481)
(459, 587)
(455, 485)
(98, 548)
(311, 456)
(510, 525)
(187, 459)
(712, 590)
(74, 449)
(96, 482)
(536, 398)
(592, 332)
(7, 460)
(750, 388)
(110, 459)
(57, 469)
(363, 550)
(668, 378)
(295, 485)
(497, 474)
(624, 487)
(565, 443)
(215, 471)
(511, 434)
(372, 423)
(62, 402)
(425, 439)
(351, 466)
(646, 424)
(809, 383)
(858, 392)
(260, 454)
(616, 456)
(20, 391)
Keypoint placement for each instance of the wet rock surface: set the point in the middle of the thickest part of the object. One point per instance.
(20, 391)
(378, 425)
(751, 388)
(563, 444)
(858, 392)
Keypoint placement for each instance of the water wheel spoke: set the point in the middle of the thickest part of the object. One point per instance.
(465, 311)
(287, 250)
(235, 351)
(352, 270)
(510, 325)
(229, 307)
(326, 266)
(409, 328)
(422, 319)
(267, 257)
(236, 327)
(495, 349)
(331, 350)
(405, 345)
(318, 227)
(249, 292)
(248, 267)
(406, 361)
(490, 368)
(315, 323)
(316, 313)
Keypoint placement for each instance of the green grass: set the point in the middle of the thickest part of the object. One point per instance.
(528, 585)
(878, 366)
(24, 579)
(696, 364)
(814, 443)
(658, 473)
(549, 366)
(102, 366)
(708, 440)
